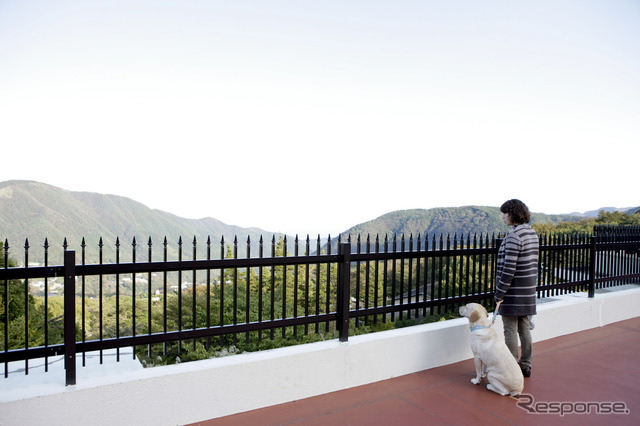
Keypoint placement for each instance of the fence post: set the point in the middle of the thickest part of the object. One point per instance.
(70, 317)
(344, 284)
(592, 267)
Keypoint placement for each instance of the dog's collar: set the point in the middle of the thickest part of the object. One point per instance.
(479, 327)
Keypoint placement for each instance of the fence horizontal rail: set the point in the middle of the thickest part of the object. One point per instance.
(229, 263)
(173, 336)
(410, 306)
(31, 272)
(31, 353)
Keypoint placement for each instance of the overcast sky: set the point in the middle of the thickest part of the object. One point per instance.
(310, 117)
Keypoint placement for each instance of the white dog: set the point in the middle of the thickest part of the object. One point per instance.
(491, 356)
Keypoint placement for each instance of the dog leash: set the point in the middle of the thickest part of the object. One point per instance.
(495, 314)
(479, 327)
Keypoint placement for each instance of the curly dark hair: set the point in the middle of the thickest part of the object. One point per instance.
(518, 211)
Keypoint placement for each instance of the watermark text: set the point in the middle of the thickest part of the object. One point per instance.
(562, 408)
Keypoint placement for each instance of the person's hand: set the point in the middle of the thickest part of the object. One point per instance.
(498, 306)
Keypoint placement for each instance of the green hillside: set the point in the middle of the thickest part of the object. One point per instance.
(35, 211)
(445, 221)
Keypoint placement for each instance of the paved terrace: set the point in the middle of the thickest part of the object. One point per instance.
(597, 365)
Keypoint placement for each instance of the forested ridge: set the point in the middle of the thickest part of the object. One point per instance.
(36, 211)
(447, 221)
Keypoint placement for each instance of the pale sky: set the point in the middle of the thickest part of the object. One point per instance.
(310, 117)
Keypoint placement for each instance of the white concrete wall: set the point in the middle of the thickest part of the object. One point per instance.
(190, 392)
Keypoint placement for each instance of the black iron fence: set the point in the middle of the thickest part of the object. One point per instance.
(323, 290)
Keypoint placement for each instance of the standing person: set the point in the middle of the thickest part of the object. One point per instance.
(516, 280)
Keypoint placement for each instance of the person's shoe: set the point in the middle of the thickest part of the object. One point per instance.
(526, 371)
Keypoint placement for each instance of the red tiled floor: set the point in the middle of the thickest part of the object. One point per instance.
(598, 365)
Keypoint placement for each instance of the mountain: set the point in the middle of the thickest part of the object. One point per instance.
(35, 211)
(595, 213)
(449, 220)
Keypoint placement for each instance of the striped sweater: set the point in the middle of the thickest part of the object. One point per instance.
(517, 272)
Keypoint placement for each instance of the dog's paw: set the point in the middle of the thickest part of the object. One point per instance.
(475, 381)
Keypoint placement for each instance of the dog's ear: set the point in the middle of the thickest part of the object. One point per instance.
(482, 311)
(475, 316)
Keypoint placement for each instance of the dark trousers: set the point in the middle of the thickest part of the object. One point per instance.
(514, 328)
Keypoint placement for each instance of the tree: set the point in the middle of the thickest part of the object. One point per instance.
(24, 311)
(618, 218)
(17, 297)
